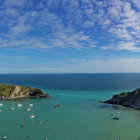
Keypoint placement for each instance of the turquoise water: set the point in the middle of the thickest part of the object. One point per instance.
(80, 116)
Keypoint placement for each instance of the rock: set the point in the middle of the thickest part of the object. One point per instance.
(127, 99)
(10, 92)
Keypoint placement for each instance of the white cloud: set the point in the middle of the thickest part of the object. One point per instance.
(110, 65)
(130, 46)
(17, 3)
(71, 27)
(114, 65)
(107, 22)
(20, 29)
(121, 33)
(136, 3)
(78, 60)
(114, 13)
(125, 26)
(48, 24)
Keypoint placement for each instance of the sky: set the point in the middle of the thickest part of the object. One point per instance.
(69, 36)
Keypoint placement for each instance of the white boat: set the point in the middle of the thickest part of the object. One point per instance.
(28, 109)
(1, 104)
(19, 105)
(4, 137)
(12, 108)
(31, 105)
(32, 116)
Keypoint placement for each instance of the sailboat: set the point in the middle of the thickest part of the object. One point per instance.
(32, 116)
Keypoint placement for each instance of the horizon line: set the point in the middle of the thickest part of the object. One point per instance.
(79, 73)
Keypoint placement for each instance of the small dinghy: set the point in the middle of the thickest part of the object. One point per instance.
(19, 105)
(56, 106)
(31, 105)
(46, 138)
(28, 137)
(27, 110)
(116, 118)
(32, 116)
(1, 104)
(4, 137)
(22, 125)
(12, 108)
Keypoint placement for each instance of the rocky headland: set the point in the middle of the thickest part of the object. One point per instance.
(10, 92)
(127, 99)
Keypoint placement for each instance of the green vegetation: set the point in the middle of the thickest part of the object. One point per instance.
(23, 88)
(129, 99)
(122, 95)
(6, 90)
(14, 91)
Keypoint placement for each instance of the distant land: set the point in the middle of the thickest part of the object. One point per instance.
(10, 92)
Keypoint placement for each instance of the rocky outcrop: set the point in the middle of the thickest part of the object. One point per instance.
(128, 99)
(8, 92)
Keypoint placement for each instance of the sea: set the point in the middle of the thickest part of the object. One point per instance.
(80, 117)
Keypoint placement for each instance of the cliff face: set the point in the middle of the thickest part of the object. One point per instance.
(128, 99)
(14, 91)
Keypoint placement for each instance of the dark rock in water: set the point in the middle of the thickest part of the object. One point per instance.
(12, 92)
(127, 99)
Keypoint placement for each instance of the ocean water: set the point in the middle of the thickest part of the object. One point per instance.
(80, 117)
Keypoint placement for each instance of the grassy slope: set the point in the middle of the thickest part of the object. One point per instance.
(7, 90)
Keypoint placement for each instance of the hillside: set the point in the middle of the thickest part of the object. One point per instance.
(128, 99)
(15, 91)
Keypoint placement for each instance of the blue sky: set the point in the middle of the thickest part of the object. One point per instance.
(69, 36)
